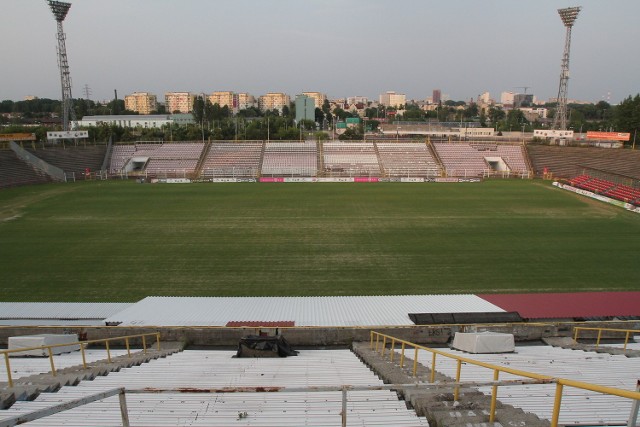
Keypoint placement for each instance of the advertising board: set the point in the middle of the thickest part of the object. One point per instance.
(609, 136)
(72, 134)
(18, 137)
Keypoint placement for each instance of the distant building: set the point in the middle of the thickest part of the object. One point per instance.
(392, 99)
(274, 101)
(133, 121)
(30, 98)
(182, 119)
(533, 114)
(318, 98)
(141, 102)
(522, 100)
(229, 99)
(357, 100)
(506, 98)
(246, 100)
(179, 101)
(436, 97)
(305, 108)
(485, 98)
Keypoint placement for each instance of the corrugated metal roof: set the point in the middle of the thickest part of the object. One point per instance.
(304, 311)
(568, 304)
(216, 369)
(59, 310)
(578, 406)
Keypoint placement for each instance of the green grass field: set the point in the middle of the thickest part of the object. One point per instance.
(121, 241)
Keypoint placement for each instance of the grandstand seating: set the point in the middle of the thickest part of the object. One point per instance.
(469, 159)
(607, 188)
(410, 159)
(350, 159)
(226, 159)
(567, 162)
(579, 407)
(290, 159)
(73, 159)
(193, 371)
(163, 158)
(15, 172)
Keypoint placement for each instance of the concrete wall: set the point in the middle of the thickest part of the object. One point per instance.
(320, 336)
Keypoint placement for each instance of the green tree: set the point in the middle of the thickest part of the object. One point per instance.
(627, 116)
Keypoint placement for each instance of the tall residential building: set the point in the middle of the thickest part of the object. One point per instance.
(273, 101)
(246, 100)
(141, 102)
(506, 98)
(436, 97)
(229, 99)
(305, 108)
(318, 98)
(392, 99)
(485, 98)
(179, 101)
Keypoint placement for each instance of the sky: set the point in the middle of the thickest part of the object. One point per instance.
(341, 48)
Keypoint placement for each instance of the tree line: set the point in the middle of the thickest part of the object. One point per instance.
(218, 122)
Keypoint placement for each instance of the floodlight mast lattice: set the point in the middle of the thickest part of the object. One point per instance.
(568, 16)
(60, 10)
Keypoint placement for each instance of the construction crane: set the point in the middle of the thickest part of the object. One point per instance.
(523, 87)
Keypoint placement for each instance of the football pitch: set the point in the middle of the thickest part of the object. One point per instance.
(120, 241)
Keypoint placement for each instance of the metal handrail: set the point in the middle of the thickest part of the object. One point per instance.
(82, 345)
(560, 382)
(627, 332)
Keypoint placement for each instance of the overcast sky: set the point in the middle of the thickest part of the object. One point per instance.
(341, 48)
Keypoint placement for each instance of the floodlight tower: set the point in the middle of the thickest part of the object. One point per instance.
(60, 10)
(568, 16)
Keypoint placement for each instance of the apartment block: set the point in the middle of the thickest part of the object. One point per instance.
(317, 97)
(392, 99)
(246, 100)
(141, 102)
(230, 99)
(273, 100)
(179, 101)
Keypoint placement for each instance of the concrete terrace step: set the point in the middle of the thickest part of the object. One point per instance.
(472, 408)
(570, 344)
(28, 388)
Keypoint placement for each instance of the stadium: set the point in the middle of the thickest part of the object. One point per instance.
(421, 282)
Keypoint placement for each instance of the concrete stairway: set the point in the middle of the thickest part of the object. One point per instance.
(471, 410)
(28, 388)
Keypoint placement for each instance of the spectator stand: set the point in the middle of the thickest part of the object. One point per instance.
(615, 186)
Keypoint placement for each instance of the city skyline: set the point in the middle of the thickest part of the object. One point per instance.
(359, 48)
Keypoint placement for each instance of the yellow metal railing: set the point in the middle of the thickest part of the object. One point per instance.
(379, 342)
(82, 345)
(627, 332)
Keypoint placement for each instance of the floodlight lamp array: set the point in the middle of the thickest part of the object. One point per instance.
(569, 15)
(59, 9)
